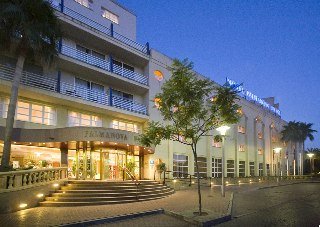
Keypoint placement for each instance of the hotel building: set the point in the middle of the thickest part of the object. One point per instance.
(86, 112)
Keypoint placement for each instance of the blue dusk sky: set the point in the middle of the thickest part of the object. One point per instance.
(273, 47)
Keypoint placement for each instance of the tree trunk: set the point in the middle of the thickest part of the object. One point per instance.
(11, 113)
(194, 149)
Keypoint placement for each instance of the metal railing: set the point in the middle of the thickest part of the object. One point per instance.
(84, 57)
(103, 64)
(56, 4)
(51, 84)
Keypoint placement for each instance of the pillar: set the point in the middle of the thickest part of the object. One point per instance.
(64, 156)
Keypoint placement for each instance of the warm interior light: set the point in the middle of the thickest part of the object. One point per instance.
(223, 129)
(55, 185)
(277, 150)
(40, 195)
(23, 205)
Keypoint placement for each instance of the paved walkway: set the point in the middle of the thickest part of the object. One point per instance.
(182, 202)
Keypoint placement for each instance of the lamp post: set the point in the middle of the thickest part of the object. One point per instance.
(310, 155)
(277, 151)
(223, 130)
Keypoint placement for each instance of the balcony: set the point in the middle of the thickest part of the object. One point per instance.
(53, 85)
(109, 32)
(106, 65)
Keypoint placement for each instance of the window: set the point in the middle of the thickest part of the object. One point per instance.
(31, 112)
(122, 65)
(260, 151)
(123, 95)
(242, 168)
(241, 147)
(260, 169)
(230, 168)
(90, 52)
(180, 166)
(109, 15)
(202, 164)
(131, 127)
(260, 135)
(241, 129)
(216, 144)
(216, 167)
(274, 139)
(84, 3)
(251, 165)
(80, 119)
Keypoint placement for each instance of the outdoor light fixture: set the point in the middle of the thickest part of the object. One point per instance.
(192, 182)
(23, 205)
(223, 129)
(310, 155)
(55, 185)
(227, 182)
(40, 195)
(174, 181)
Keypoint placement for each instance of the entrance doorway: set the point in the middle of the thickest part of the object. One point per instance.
(103, 164)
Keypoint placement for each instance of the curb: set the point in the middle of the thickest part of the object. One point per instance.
(212, 222)
(113, 219)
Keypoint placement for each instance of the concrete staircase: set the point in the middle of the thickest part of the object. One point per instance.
(85, 193)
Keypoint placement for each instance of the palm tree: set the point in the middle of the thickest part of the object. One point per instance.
(29, 30)
(305, 132)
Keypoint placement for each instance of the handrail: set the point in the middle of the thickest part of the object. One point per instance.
(56, 4)
(133, 178)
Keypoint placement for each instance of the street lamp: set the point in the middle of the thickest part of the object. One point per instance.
(277, 151)
(223, 130)
(310, 155)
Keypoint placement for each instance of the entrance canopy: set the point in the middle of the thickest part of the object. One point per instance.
(68, 137)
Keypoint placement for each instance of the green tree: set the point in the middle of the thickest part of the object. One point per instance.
(305, 132)
(29, 30)
(193, 107)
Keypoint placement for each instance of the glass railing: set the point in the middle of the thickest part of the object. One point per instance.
(103, 64)
(56, 4)
(79, 92)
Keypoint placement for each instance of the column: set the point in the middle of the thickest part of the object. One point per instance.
(64, 156)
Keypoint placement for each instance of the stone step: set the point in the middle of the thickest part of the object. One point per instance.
(90, 182)
(117, 188)
(99, 198)
(95, 203)
(104, 193)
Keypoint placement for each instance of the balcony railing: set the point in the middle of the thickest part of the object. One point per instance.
(59, 6)
(102, 63)
(54, 85)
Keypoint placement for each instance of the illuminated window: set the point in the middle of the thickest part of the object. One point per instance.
(84, 2)
(109, 15)
(230, 168)
(202, 164)
(35, 113)
(251, 166)
(158, 75)
(242, 168)
(216, 144)
(131, 127)
(260, 169)
(180, 166)
(274, 139)
(80, 119)
(241, 129)
(216, 167)
(241, 147)
(260, 135)
(239, 111)
(260, 151)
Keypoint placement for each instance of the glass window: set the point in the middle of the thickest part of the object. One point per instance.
(241, 147)
(251, 165)
(85, 3)
(124, 126)
(216, 167)
(260, 169)
(230, 168)
(180, 166)
(260, 151)
(98, 55)
(109, 15)
(202, 164)
(242, 168)
(241, 129)
(260, 135)
(79, 119)
(216, 144)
